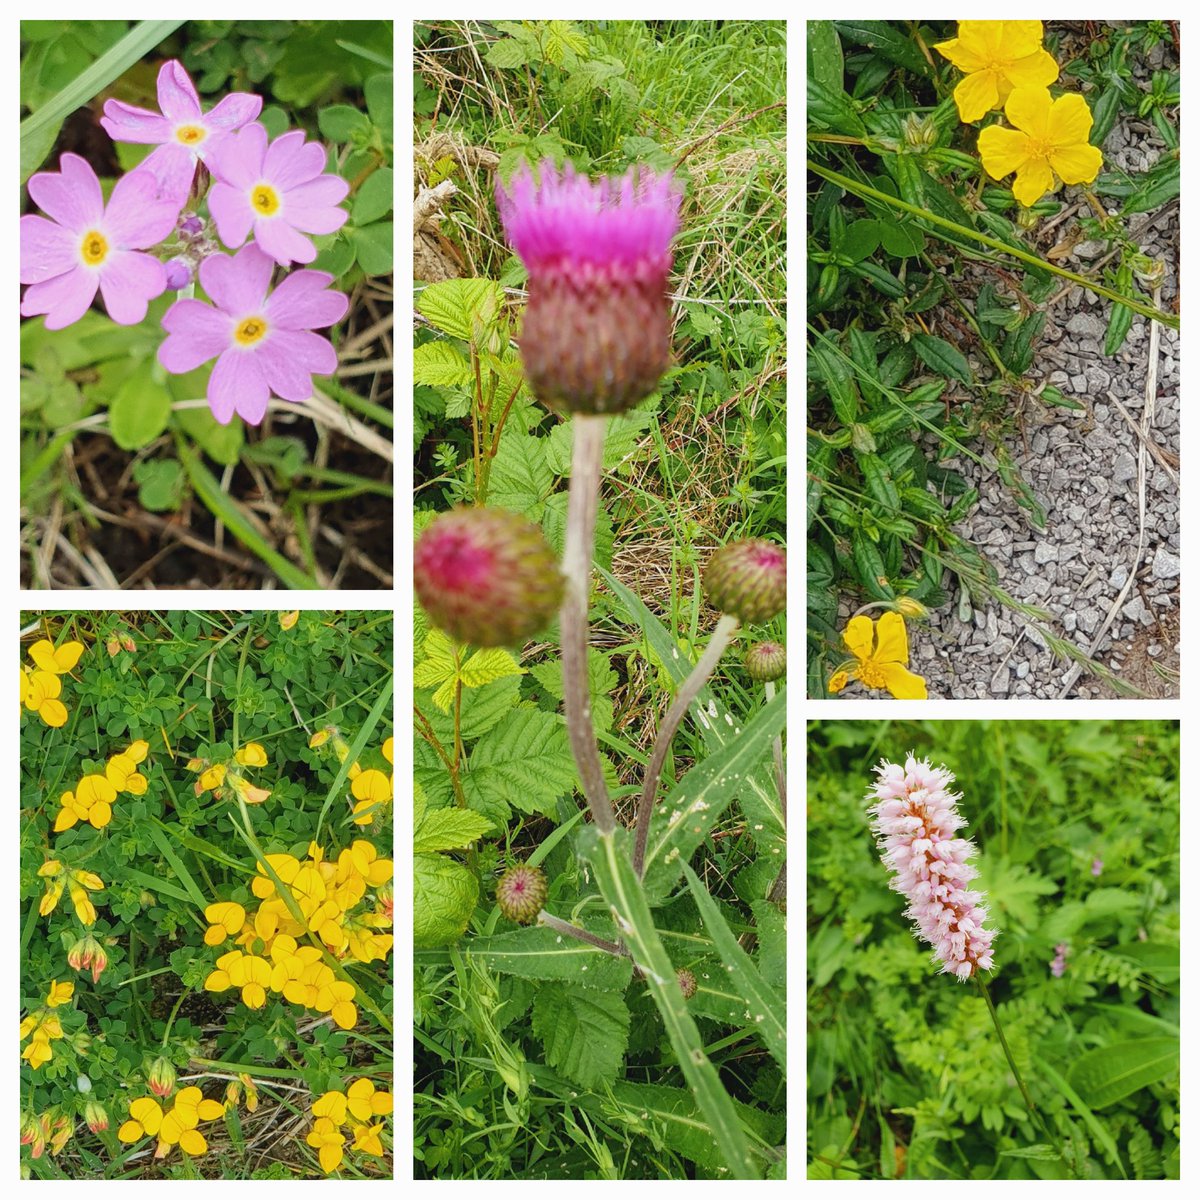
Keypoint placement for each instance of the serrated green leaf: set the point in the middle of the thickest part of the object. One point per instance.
(444, 897)
(540, 953)
(507, 54)
(460, 306)
(448, 829)
(584, 1031)
(602, 680)
(520, 478)
(525, 761)
(439, 364)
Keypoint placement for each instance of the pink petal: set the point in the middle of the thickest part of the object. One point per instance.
(197, 332)
(237, 385)
(64, 299)
(129, 280)
(238, 283)
(278, 239)
(238, 159)
(230, 208)
(323, 192)
(234, 111)
(72, 197)
(174, 166)
(317, 220)
(176, 95)
(47, 249)
(289, 360)
(127, 123)
(302, 302)
(291, 161)
(138, 216)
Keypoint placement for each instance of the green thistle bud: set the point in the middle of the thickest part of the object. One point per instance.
(748, 580)
(687, 982)
(766, 661)
(487, 576)
(521, 892)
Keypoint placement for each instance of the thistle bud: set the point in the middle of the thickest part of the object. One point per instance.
(162, 1077)
(596, 336)
(766, 661)
(521, 893)
(487, 576)
(95, 1115)
(687, 982)
(748, 580)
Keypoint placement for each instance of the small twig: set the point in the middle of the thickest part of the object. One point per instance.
(688, 691)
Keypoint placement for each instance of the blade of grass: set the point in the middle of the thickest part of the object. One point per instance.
(162, 841)
(39, 130)
(356, 748)
(229, 513)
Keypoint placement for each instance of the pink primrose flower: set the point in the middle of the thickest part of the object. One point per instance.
(87, 246)
(279, 191)
(184, 134)
(916, 820)
(263, 343)
(597, 331)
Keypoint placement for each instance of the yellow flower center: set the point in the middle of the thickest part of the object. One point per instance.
(251, 330)
(871, 674)
(189, 135)
(94, 248)
(1039, 149)
(264, 199)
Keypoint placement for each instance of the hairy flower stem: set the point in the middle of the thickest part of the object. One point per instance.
(561, 926)
(721, 637)
(583, 501)
(1012, 1066)
(777, 754)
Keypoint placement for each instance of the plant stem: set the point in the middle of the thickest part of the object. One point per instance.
(777, 754)
(1012, 1066)
(561, 926)
(583, 501)
(688, 691)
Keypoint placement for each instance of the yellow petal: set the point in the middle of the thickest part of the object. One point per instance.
(210, 1110)
(859, 636)
(1033, 181)
(962, 56)
(130, 1132)
(1076, 164)
(892, 645)
(100, 814)
(146, 1111)
(191, 1141)
(1037, 70)
(254, 995)
(65, 819)
(189, 1097)
(1003, 151)
(977, 94)
(217, 981)
(1028, 109)
(93, 789)
(54, 713)
(371, 785)
(1070, 121)
(137, 751)
(902, 683)
(331, 1157)
(344, 1015)
(332, 1106)
(288, 619)
(252, 755)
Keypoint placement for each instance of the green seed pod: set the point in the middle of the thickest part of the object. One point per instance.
(765, 661)
(748, 580)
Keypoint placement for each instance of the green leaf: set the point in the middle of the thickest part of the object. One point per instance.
(440, 364)
(140, 410)
(374, 199)
(461, 307)
(765, 1012)
(942, 358)
(825, 55)
(584, 1032)
(883, 38)
(380, 95)
(525, 761)
(602, 683)
(342, 122)
(541, 953)
(609, 855)
(160, 484)
(832, 109)
(444, 897)
(373, 246)
(507, 54)
(448, 829)
(1110, 1073)
(520, 478)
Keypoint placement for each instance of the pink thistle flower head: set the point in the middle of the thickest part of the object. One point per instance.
(184, 134)
(916, 822)
(597, 330)
(87, 246)
(748, 580)
(278, 191)
(487, 576)
(262, 341)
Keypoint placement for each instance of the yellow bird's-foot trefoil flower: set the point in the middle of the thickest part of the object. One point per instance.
(881, 658)
(1049, 139)
(995, 57)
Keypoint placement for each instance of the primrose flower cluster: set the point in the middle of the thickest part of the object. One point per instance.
(1004, 64)
(327, 896)
(916, 823)
(266, 198)
(41, 684)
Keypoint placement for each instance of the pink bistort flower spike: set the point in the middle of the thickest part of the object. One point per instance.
(184, 134)
(262, 343)
(916, 818)
(278, 191)
(87, 246)
(596, 336)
